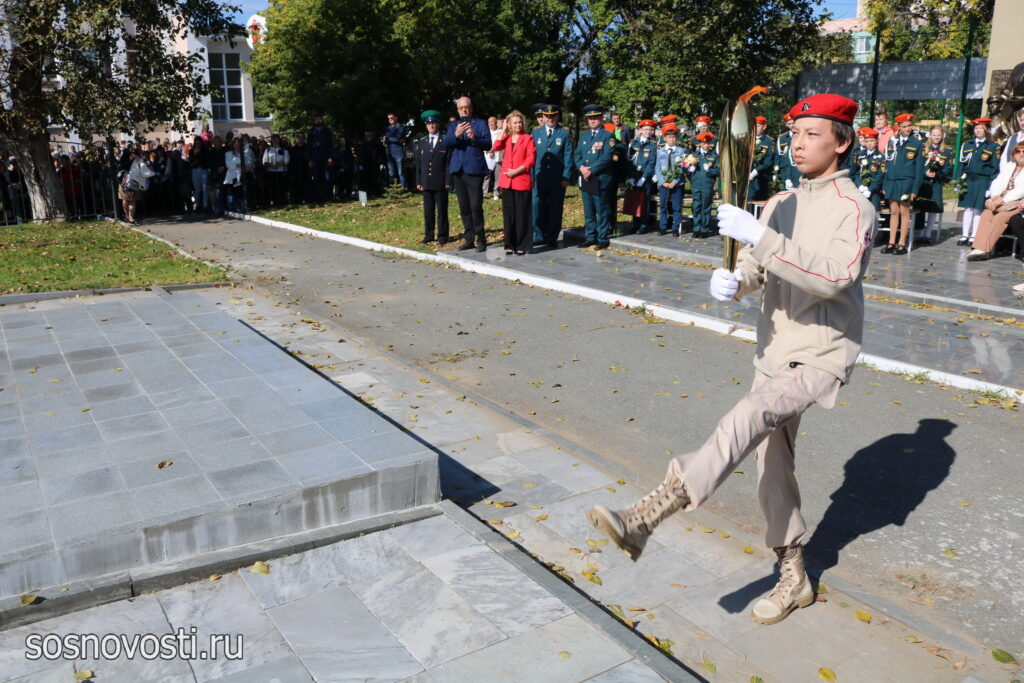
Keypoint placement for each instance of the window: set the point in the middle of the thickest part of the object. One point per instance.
(226, 78)
(863, 44)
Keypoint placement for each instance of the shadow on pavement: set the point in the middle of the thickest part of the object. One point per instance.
(884, 483)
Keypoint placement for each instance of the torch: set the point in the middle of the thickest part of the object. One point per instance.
(736, 158)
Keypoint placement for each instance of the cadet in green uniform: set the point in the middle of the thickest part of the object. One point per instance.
(980, 164)
(620, 170)
(760, 187)
(904, 172)
(785, 171)
(938, 169)
(551, 175)
(593, 159)
(868, 172)
(703, 179)
(643, 153)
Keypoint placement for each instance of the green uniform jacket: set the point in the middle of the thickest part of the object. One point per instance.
(596, 152)
(554, 156)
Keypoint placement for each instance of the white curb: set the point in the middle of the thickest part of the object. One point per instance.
(664, 312)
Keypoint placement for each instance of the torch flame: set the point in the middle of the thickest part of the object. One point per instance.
(756, 90)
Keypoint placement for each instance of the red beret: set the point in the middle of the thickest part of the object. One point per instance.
(671, 118)
(981, 122)
(703, 119)
(670, 128)
(760, 119)
(705, 137)
(867, 132)
(900, 118)
(646, 122)
(826, 106)
(787, 117)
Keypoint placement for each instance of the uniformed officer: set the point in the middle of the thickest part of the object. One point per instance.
(760, 187)
(980, 164)
(433, 178)
(807, 254)
(703, 179)
(643, 153)
(938, 169)
(551, 175)
(904, 171)
(593, 159)
(785, 170)
(537, 110)
(670, 176)
(868, 172)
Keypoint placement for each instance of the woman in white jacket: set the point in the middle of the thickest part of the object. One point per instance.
(233, 162)
(134, 185)
(1004, 200)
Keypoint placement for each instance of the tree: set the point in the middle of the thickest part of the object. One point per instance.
(690, 56)
(355, 61)
(914, 30)
(97, 67)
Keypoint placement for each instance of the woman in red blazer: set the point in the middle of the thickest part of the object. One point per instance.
(516, 183)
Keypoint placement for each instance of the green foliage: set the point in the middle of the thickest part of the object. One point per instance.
(687, 58)
(930, 29)
(85, 44)
(354, 61)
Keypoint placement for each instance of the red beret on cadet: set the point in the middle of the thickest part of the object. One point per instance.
(904, 117)
(866, 132)
(647, 122)
(826, 106)
(981, 122)
(703, 119)
(760, 119)
(669, 128)
(787, 117)
(705, 137)
(671, 118)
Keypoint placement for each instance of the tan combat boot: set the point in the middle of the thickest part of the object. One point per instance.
(629, 529)
(793, 589)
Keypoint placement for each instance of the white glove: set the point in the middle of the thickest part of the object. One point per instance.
(753, 174)
(738, 224)
(988, 193)
(724, 284)
(640, 182)
(789, 184)
(865, 191)
(707, 166)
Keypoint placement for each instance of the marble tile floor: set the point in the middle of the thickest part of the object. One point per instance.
(128, 412)
(426, 602)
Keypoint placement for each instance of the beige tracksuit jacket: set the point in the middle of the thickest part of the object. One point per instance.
(810, 261)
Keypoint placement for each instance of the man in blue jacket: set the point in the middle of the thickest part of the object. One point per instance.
(593, 159)
(551, 175)
(394, 138)
(466, 141)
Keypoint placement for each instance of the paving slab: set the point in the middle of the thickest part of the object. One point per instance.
(127, 413)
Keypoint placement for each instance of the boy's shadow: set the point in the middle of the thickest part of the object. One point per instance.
(884, 483)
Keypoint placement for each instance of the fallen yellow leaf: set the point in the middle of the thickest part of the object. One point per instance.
(260, 567)
(29, 599)
(827, 674)
(862, 616)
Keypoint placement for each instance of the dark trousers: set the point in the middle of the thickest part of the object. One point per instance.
(435, 212)
(1016, 226)
(596, 225)
(470, 190)
(548, 202)
(518, 214)
(320, 181)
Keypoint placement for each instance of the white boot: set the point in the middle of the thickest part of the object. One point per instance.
(793, 589)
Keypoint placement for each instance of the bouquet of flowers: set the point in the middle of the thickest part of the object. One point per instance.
(675, 170)
(867, 171)
(960, 185)
(934, 162)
